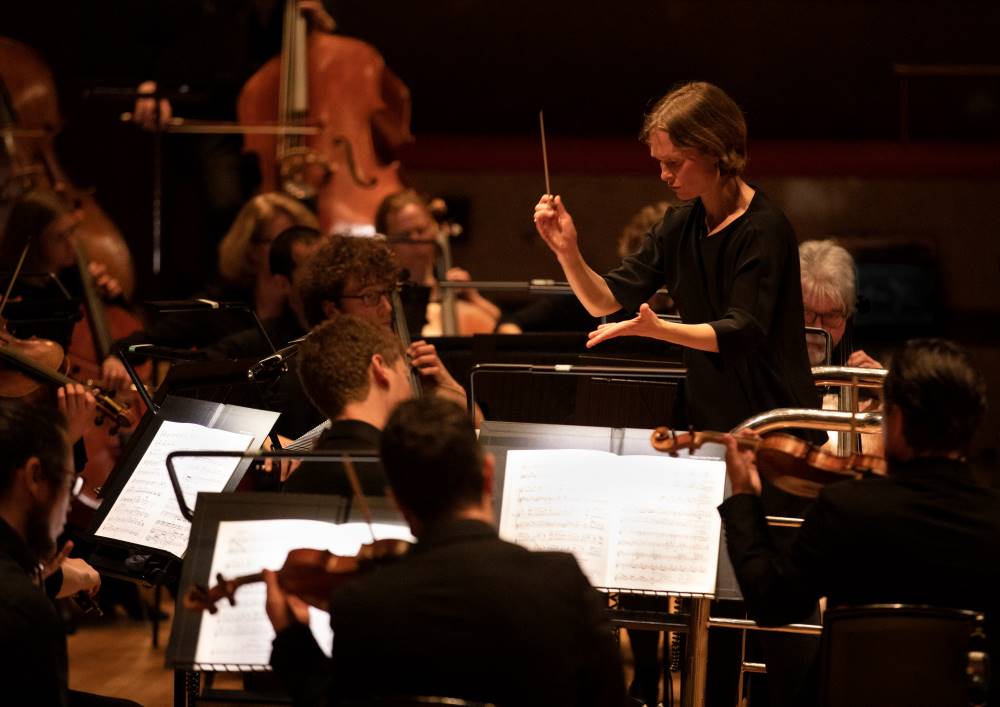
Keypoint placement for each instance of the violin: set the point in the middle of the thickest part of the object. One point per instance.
(361, 109)
(309, 574)
(402, 330)
(32, 363)
(788, 462)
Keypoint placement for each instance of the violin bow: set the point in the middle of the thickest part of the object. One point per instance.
(352, 477)
(545, 153)
(14, 276)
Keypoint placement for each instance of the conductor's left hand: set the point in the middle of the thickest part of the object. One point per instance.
(645, 324)
(283, 609)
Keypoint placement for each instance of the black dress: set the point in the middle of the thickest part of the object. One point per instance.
(744, 283)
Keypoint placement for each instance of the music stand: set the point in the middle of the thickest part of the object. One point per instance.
(213, 509)
(134, 561)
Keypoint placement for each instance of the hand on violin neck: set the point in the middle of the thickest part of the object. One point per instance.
(283, 609)
(79, 407)
(741, 465)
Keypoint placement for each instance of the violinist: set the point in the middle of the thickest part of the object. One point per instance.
(355, 372)
(406, 221)
(463, 614)
(926, 534)
(42, 218)
(37, 483)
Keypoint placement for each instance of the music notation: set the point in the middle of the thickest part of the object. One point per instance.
(146, 512)
(633, 522)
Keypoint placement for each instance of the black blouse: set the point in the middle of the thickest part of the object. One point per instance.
(743, 282)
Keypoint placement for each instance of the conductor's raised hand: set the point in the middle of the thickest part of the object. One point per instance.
(645, 324)
(555, 225)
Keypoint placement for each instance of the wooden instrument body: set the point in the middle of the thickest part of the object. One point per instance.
(348, 84)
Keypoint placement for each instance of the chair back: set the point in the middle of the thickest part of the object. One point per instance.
(897, 655)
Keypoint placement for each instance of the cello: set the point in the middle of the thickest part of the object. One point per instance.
(361, 109)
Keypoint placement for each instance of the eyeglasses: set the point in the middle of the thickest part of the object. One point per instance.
(76, 485)
(369, 299)
(831, 320)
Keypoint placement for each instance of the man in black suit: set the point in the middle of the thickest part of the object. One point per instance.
(355, 372)
(926, 534)
(464, 614)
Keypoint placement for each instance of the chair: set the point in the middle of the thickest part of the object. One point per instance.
(896, 655)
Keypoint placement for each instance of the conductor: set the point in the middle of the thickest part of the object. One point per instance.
(727, 256)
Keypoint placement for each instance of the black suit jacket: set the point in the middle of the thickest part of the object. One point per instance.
(463, 615)
(330, 477)
(927, 534)
(33, 670)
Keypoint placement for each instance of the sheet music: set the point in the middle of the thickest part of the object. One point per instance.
(555, 500)
(633, 522)
(146, 512)
(242, 634)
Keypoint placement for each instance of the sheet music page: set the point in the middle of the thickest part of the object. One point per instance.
(242, 634)
(669, 530)
(557, 499)
(146, 512)
(633, 522)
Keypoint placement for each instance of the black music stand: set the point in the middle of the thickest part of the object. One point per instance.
(212, 509)
(134, 561)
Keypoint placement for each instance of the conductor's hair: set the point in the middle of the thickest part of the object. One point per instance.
(939, 392)
(703, 117)
(28, 431)
(432, 458)
(335, 358)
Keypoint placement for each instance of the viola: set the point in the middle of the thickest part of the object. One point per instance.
(788, 462)
(361, 109)
(309, 574)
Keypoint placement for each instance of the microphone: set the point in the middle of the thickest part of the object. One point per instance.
(193, 305)
(276, 363)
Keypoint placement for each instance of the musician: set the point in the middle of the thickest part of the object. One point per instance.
(36, 487)
(406, 221)
(829, 295)
(42, 218)
(728, 258)
(464, 614)
(356, 276)
(244, 276)
(926, 534)
(355, 372)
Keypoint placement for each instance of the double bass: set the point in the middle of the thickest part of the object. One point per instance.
(360, 108)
